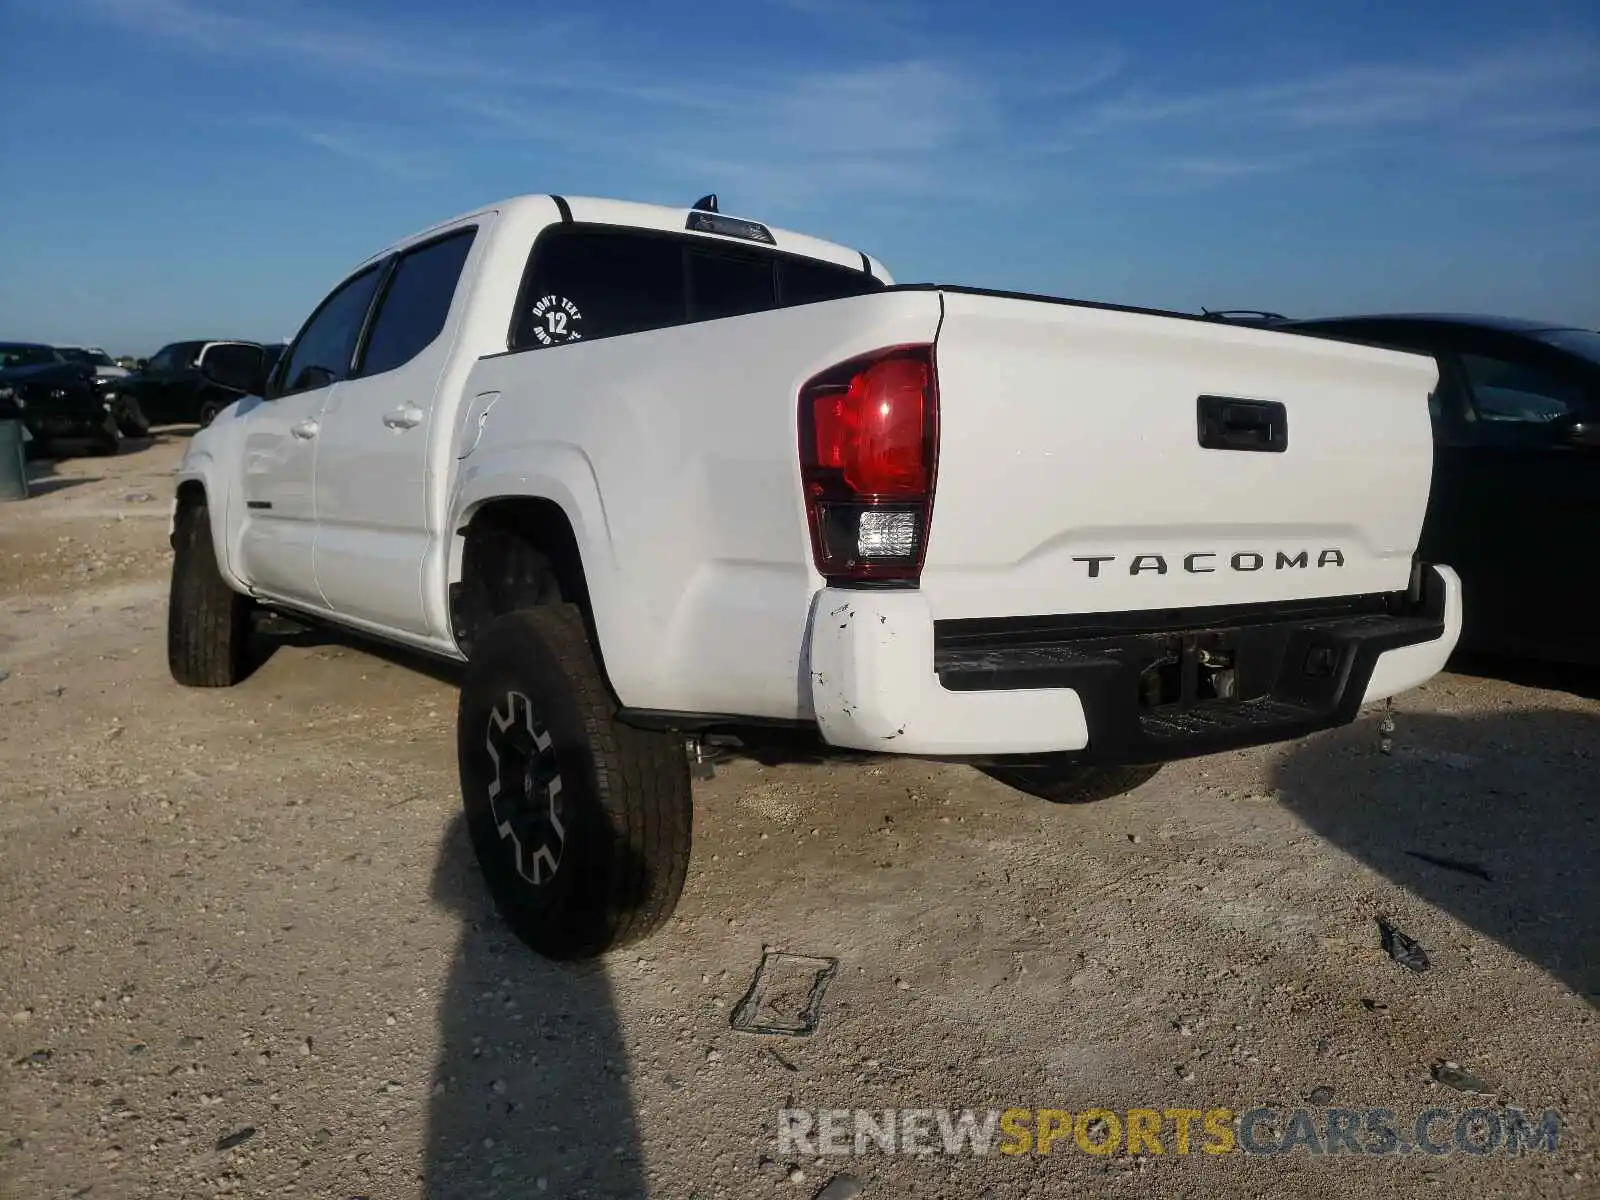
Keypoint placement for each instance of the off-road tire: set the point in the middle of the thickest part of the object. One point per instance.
(132, 420)
(621, 847)
(1066, 783)
(208, 623)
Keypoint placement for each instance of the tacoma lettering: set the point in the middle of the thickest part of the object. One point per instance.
(1198, 563)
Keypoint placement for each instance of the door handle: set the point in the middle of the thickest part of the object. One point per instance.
(306, 429)
(403, 418)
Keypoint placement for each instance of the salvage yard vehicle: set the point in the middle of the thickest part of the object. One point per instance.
(662, 476)
(108, 379)
(1516, 476)
(172, 388)
(58, 402)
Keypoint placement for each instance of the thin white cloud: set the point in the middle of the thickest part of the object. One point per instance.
(932, 122)
(359, 146)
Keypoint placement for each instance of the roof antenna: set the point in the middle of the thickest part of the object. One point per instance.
(706, 203)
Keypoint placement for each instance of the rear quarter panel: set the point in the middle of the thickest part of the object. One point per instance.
(675, 455)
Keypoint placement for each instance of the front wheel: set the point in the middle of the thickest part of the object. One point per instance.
(208, 623)
(209, 411)
(1066, 783)
(580, 824)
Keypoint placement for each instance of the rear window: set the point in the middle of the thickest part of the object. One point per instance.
(587, 282)
(1583, 342)
(805, 282)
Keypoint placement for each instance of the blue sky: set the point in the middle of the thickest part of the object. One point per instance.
(191, 168)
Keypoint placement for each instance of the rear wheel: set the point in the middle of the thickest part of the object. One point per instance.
(208, 623)
(1066, 783)
(581, 824)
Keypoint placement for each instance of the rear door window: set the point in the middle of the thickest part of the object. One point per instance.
(416, 302)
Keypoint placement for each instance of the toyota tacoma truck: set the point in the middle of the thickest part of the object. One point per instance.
(664, 477)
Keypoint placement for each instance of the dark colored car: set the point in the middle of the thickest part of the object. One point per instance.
(1515, 502)
(57, 401)
(108, 378)
(171, 390)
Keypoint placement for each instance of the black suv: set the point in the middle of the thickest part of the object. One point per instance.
(171, 390)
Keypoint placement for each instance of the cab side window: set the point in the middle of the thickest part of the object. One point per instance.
(416, 302)
(322, 354)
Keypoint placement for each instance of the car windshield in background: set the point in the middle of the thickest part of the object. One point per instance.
(13, 354)
(1585, 342)
(95, 358)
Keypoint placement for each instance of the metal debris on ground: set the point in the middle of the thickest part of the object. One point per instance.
(1452, 1075)
(1453, 864)
(841, 1187)
(1386, 729)
(237, 1138)
(785, 998)
(1404, 950)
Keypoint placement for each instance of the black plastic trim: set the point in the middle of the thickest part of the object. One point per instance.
(258, 503)
(564, 209)
(866, 263)
(1238, 424)
(1298, 668)
(663, 720)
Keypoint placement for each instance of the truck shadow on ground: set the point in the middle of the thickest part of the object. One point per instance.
(530, 1089)
(1514, 796)
(265, 642)
(1550, 676)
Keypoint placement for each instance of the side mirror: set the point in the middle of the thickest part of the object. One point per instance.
(236, 373)
(1576, 431)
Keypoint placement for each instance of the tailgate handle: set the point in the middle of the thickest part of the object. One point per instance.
(1228, 423)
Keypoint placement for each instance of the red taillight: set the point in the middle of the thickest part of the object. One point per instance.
(868, 447)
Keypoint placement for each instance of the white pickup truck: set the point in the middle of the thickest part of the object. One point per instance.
(662, 476)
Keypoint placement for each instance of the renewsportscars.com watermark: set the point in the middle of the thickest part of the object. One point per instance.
(1136, 1131)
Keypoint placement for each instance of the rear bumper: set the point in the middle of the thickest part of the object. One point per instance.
(1116, 688)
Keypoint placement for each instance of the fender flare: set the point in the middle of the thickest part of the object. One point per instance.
(562, 475)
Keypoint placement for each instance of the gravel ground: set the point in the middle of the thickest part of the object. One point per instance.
(246, 951)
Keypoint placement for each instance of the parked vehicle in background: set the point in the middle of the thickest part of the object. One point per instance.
(172, 389)
(1515, 504)
(109, 377)
(105, 367)
(57, 401)
(664, 476)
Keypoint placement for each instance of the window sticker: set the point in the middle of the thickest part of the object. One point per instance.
(556, 320)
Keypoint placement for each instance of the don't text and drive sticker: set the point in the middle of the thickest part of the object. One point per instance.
(556, 320)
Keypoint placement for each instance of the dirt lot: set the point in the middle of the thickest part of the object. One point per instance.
(256, 910)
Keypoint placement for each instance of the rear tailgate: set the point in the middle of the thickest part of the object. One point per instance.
(1072, 476)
